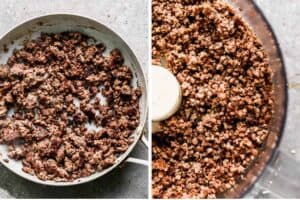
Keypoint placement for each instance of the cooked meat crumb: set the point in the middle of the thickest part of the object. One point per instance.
(48, 129)
(226, 81)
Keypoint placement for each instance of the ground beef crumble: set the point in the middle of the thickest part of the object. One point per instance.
(207, 146)
(48, 131)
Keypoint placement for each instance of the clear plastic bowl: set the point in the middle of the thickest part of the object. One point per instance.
(257, 22)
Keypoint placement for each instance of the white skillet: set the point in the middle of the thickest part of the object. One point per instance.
(69, 22)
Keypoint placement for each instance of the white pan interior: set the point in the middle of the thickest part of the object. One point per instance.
(64, 22)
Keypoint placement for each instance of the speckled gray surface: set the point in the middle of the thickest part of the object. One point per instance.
(130, 20)
(282, 178)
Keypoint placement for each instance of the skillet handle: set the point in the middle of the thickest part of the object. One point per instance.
(138, 160)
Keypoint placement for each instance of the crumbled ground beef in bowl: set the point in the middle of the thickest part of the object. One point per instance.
(226, 81)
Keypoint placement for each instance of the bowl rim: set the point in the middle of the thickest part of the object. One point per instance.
(286, 98)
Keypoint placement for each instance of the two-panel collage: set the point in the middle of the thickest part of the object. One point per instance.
(149, 99)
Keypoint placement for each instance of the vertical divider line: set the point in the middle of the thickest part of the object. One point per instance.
(149, 99)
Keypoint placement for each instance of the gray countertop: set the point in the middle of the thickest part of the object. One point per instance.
(282, 178)
(130, 20)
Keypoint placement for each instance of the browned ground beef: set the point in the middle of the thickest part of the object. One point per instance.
(226, 81)
(48, 130)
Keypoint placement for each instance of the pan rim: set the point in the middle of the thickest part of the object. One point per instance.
(139, 130)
